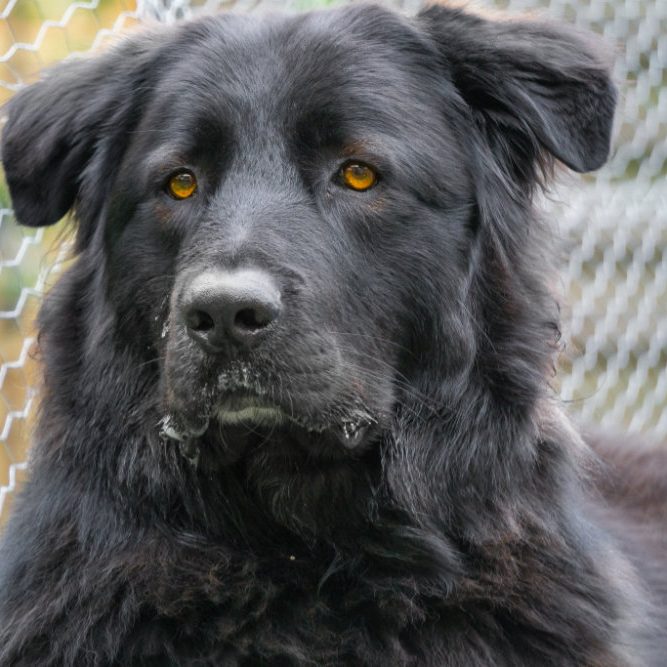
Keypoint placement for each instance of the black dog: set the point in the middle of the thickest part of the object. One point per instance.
(296, 408)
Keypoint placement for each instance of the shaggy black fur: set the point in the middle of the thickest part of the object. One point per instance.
(413, 496)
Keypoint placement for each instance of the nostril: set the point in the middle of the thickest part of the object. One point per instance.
(199, 320)
(230, 308)
(251, 319)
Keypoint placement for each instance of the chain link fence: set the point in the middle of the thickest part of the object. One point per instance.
(614, 223)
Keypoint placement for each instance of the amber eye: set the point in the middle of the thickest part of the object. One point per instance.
(358, 176)
(182, 185)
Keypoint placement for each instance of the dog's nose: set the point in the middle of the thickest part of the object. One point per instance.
(230, 307)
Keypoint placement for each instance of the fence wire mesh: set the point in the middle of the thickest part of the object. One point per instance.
(614, 223)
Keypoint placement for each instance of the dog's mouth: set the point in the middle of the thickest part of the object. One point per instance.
(240, 417)
(350, 430)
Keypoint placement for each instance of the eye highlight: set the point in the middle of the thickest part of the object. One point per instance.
(358, 176)
(182, 184)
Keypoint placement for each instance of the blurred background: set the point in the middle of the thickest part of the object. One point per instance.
(614, 224)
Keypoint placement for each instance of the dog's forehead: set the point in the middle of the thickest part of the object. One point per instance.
(293, 65)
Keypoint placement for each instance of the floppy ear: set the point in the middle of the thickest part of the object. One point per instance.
(533, 82)
(55, 127)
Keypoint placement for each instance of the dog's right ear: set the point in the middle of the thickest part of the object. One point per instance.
(54, 128)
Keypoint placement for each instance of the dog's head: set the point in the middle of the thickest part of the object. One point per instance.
(296, 227)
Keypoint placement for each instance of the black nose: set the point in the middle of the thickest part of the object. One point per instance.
(230, 307)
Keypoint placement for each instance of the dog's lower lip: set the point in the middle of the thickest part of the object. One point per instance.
(250, 410)
(237, 408)
(250, 413)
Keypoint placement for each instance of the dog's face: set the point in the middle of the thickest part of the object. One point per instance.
(289, 214)
(285, 196)
(292, 319)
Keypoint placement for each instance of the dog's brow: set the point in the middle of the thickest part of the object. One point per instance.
(358, 147)
(162, 156)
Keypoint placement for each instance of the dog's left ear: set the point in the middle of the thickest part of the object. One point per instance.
(530, 80)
